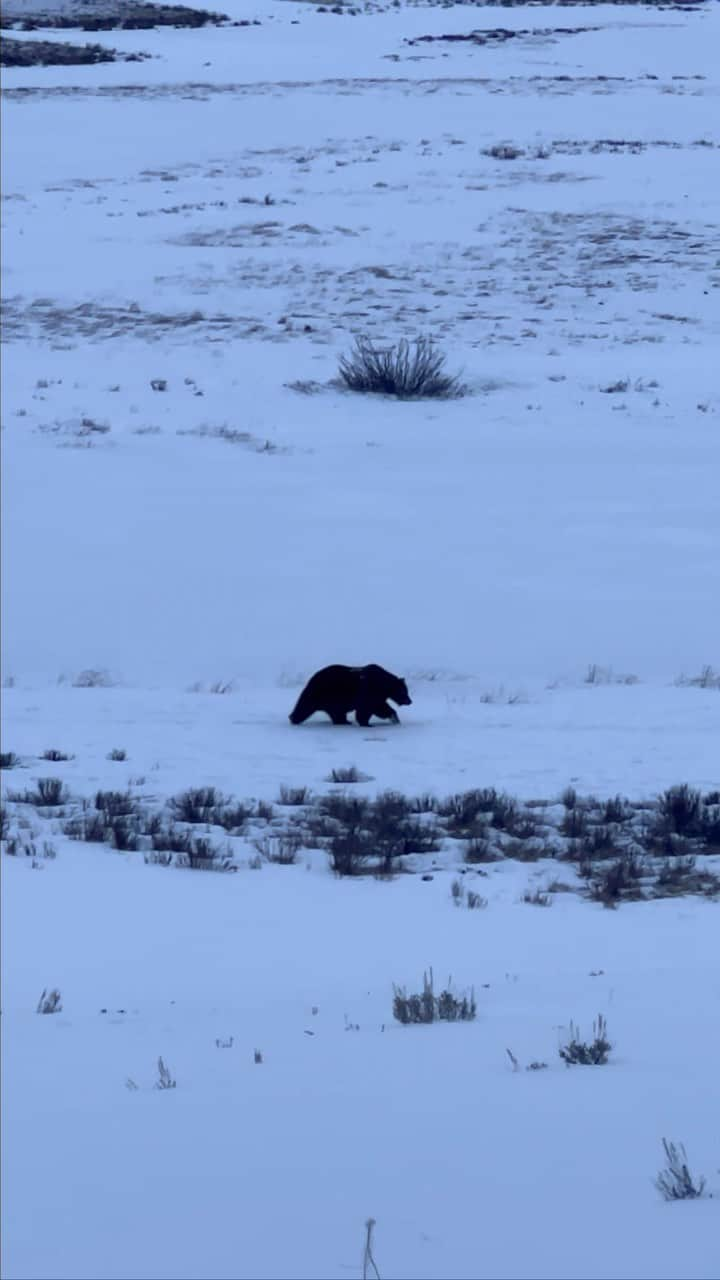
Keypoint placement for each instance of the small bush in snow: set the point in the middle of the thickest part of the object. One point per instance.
(518, 823)
(711, 827)
(115, 804)
(390, 832)
(462, 810)
(680, 811)
(234, 817)
(54, 755)
(393, 832)
(197, 805)
(475, 901)
(158, 858)
(294, 796)
(203, 855)
(682, 875)
(51, 793)
(601, 843)
(93, 679)
(480, 849)
(574, 823)
(675, 1182)
(282, 850)
(503, 151)
(617, 388)
(117, 753)
(616, 809)
(16, 846)
(50, 1001)
(595, 1053)
(350, 853)
(350, 774)
(424, 803)
(537, 898)
(621, 879)
(342, 811)
(164, 1080)
(408, 371)
(427, 1007)
(91, 827)
(708, 678)
(8, 760)
(122, 834)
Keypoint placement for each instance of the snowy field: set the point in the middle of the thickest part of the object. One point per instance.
(196, 517)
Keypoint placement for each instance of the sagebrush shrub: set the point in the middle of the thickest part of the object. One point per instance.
(349, 774)
(50, 1001)
(197, 805)
(426, 1007)
(680, 811)
(675, 1182)
(594, 1053)
(408, 370)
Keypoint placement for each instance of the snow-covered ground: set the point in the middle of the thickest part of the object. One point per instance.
(221, 220)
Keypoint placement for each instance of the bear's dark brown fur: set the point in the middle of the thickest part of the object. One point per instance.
(337, 690)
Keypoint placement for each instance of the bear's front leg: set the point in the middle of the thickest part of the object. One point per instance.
(385, 712)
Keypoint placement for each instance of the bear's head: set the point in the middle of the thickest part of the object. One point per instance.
(399, 692)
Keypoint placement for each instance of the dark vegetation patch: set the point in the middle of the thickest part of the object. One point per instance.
(622, 851)
(126, 17)
(682, 7)
(294, 796)
(349, 774)
(409, 371)
(499, 35)
(591, 1053)
(425, 1006)
(363, 836)
(50, 793)
(675, 1181)
(53, 53)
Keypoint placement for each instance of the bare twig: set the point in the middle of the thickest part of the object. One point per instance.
(368, 1260)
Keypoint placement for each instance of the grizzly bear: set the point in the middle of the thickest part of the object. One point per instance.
(337, 690)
